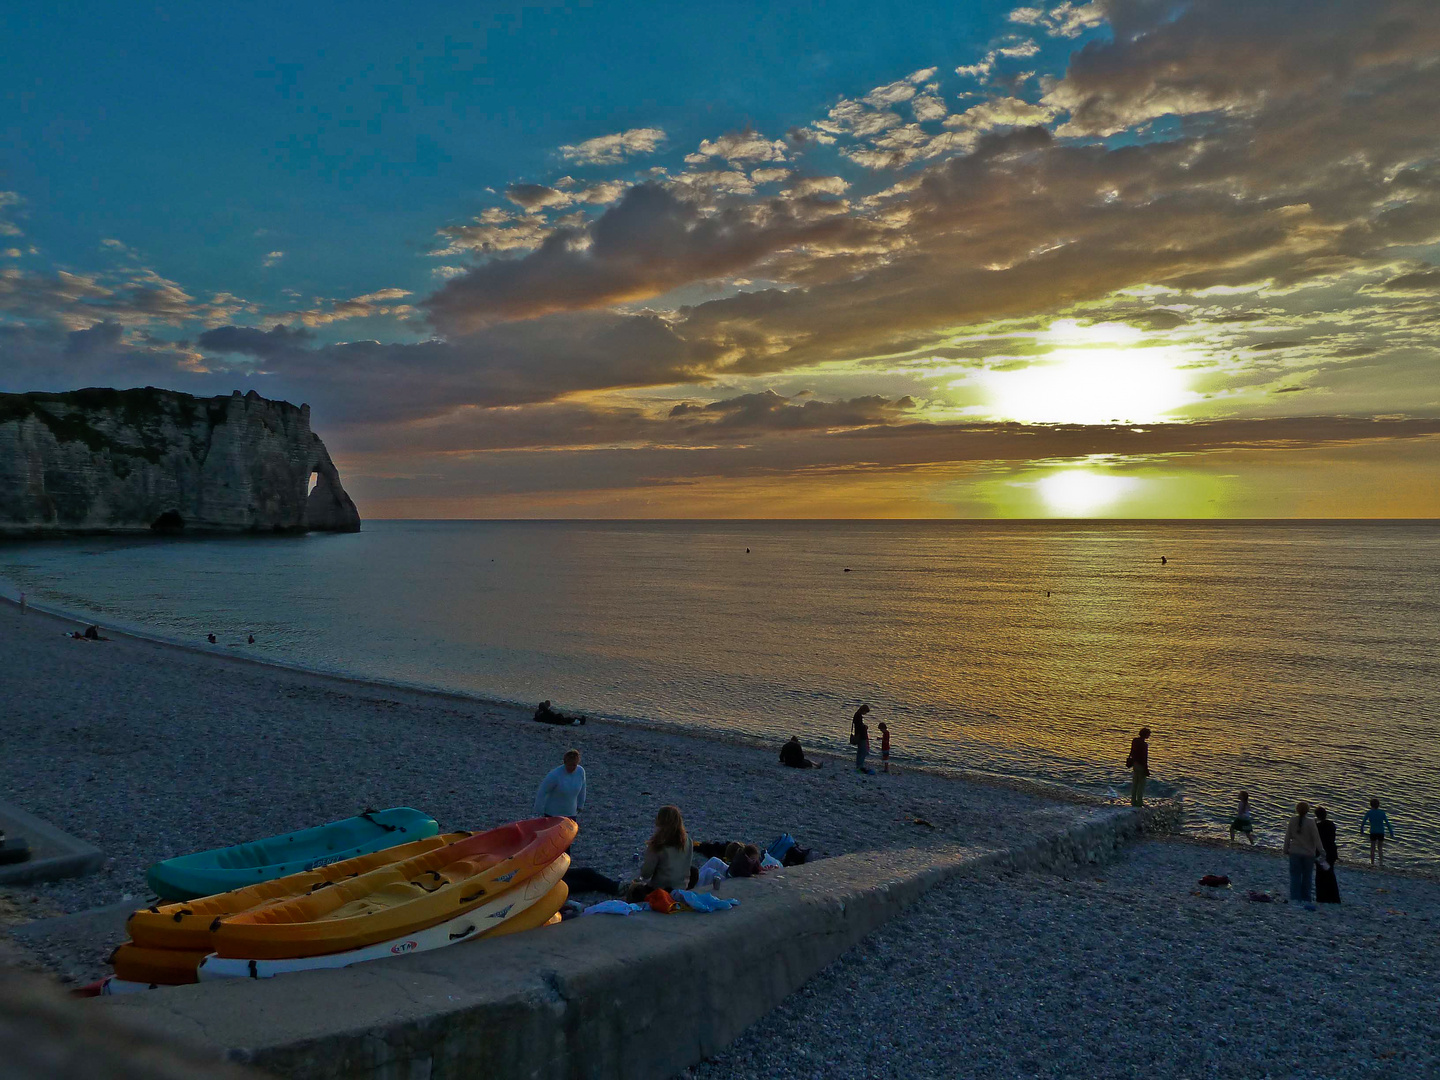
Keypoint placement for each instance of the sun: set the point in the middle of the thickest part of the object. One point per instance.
(1080, 493)
(1094, 376)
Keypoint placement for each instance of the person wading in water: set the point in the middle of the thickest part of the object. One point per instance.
(1139, 762)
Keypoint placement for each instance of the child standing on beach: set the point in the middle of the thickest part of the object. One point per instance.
(1377, 823)
(885, 747)
(1241, 821)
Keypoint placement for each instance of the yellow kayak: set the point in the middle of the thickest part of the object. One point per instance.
(188, 925)
(393, 901)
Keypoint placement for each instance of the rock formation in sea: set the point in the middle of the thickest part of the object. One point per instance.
(98, 461)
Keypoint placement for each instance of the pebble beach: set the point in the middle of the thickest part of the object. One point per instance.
(1130, 969)
(148, 751)
(1124, 969)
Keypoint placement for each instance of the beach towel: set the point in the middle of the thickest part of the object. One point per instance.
(614, 907)
(704, 903)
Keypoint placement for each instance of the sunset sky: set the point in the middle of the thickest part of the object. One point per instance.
(1124, 258)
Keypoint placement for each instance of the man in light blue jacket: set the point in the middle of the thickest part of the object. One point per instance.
(562, 792)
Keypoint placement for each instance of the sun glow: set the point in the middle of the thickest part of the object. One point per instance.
(1094, 376)
(1079, 493)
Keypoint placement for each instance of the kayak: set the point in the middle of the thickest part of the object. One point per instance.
(163, 967)
(526, 906)
(397, 900)
(206, 873)
(187, 923)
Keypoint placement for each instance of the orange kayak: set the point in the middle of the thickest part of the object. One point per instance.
(188, 925)
(162, 967)
(396, 900)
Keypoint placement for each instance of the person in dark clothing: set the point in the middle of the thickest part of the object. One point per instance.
(856, 723)
(1139, 763)
(862, 748)
(793, 754)
(1327, 888)
(546, 715)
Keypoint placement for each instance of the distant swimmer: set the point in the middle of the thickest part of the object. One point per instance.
(1163, 560)
(250, 640)
(1047, 592)
(747, 551)
(847, 569)
(210, 638)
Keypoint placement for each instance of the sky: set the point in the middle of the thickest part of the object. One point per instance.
(1116, 258)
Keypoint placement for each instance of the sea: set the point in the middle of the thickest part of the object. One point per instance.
(1294, 660)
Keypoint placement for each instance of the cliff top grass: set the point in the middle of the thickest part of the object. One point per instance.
(71, 416)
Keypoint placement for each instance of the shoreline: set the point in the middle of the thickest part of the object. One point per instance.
(1049, 789)
(149, 750)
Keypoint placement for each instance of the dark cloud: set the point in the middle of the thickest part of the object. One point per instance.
(1416, 281)
(649, 242)
(278, 342)
(769, 411)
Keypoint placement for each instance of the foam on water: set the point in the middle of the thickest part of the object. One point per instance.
(1295, 660)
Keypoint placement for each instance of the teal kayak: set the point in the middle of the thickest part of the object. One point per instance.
(205, 873)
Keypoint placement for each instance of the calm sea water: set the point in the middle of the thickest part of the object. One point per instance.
(1295, 660)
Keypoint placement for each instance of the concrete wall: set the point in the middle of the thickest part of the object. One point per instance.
(601, 996)
(47, 1036)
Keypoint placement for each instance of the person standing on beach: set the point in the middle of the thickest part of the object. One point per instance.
(885, 748)
(1303, 845)
(1241, 821)
(856, 723)
(1377, 823)
(562, 792)
(1327, 887)
(1139, 762)
(862, 746)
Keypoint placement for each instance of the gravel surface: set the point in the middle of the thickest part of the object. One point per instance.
(150, 751)
(1123, 972)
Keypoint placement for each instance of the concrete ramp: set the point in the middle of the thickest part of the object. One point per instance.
(602, 996)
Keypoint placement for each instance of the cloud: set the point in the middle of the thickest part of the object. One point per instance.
(382, 302)
(134, 296)
(1067, 20)
(603, 193)
(9, 200)
(882, 97)
(613, 149)
(857, 119)
(1001, 112)
(1015, 49)
(769, 175)
(802, 186)
(1233, 56)
(272, 258)
(769, 411)
(1415, 281)
(533, 198)
(494, 231)
(647, 243)
(739, 146)
(928, 107)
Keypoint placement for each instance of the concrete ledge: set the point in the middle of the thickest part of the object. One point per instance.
(53, 854)
(602, 996)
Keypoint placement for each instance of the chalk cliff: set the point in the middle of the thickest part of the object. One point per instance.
(137, 460)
